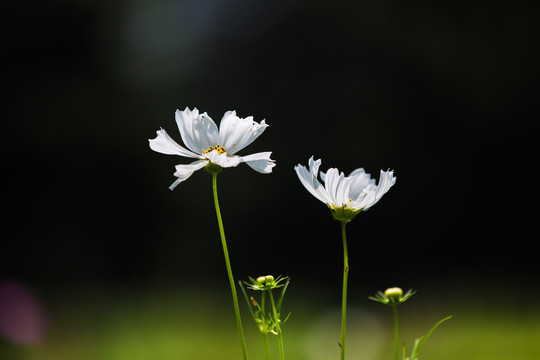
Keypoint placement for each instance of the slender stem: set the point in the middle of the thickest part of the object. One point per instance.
(344, 296)
(396, 333)
(229, 270)
(266, 346)
(278, 327)
(265, 335)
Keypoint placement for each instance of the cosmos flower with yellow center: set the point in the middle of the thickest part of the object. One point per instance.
(212, 147)
(346, 196)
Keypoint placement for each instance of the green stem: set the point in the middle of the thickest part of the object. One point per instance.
(229, 270)
(344, 296)
(278, 327)
(266, 347)
(265, 335)
(396, 333)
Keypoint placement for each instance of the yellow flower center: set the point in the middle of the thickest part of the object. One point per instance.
(220, 149)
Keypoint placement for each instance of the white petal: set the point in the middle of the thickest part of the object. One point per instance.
(306, 180)
(386, 181)
(184, 121)
(205, 132)
(236, 133)
(314, 166)
(183, 172)
(365, 200)
(164, 144)
(343, 190)
(224, 160)
(338, 186)
(198, 131)
(260, 162)
(360, 181)
(228, 129)
(310, 182)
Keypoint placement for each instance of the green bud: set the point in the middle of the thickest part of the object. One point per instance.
(394, 294)
(267, 282)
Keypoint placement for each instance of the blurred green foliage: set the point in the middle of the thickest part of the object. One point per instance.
(199, 325)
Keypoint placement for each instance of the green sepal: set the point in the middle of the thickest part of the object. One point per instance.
(255, 285)
(344, 214)
(383, 299)
(213, 168)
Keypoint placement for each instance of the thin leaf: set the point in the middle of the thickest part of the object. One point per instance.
(415, 349)
(282, 294)
(423, 341)
(248, 302)
(283, 321)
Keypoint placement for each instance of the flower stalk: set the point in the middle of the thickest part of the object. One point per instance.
(346, 197)
(277, 322)
(344, 294)
(393, 297)
(396, 332)
(229, 269)
(268, 322)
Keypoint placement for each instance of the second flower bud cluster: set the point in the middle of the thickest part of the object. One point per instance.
(268, 321)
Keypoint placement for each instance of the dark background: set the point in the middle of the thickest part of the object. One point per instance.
(445, 93)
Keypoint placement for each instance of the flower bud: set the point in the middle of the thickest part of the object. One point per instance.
(261, 280)
(269, 279)
(394, 294)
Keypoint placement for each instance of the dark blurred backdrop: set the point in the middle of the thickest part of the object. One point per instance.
(445, 93)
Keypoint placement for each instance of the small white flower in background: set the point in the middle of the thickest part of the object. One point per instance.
(346, 196)
(212, 147)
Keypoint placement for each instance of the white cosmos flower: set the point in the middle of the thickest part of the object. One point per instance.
(211, 146)
(346, 196)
